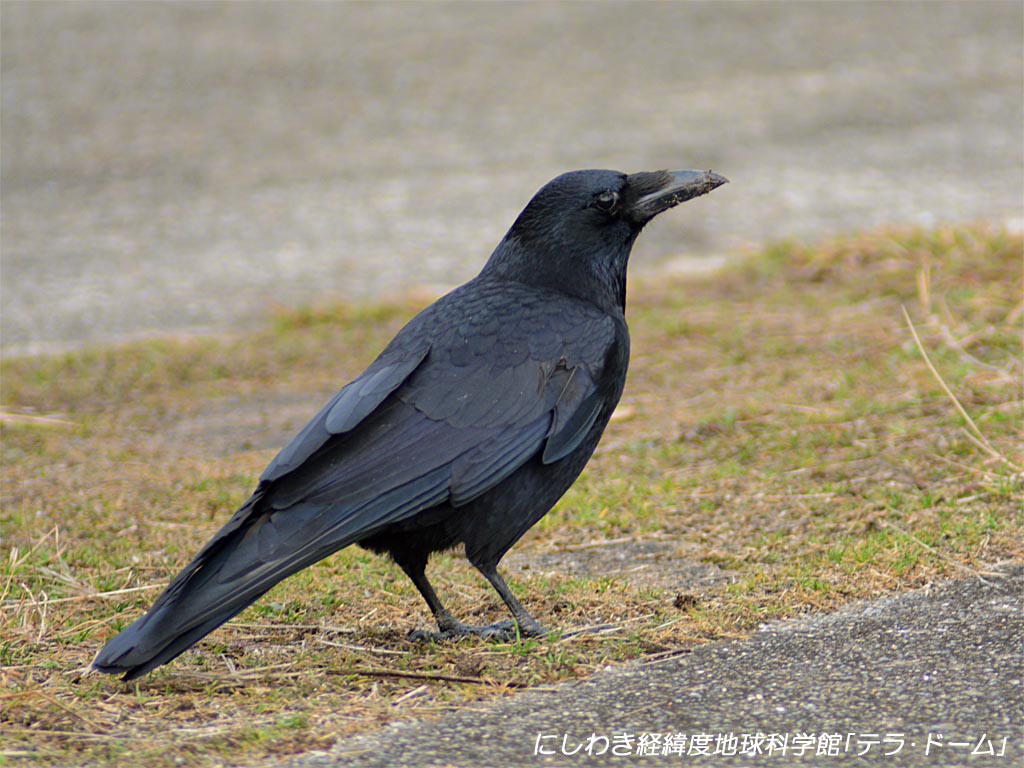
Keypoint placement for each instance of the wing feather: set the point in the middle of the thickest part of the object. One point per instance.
(471, 407)
(346, 409)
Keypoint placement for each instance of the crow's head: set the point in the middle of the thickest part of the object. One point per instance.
(576, 233)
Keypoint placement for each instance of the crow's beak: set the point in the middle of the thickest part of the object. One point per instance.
(662, 190)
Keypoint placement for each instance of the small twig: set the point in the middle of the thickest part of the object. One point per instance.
(945, 558)
(927, 360)
(260, 673)
(785, 496)
(663, 656)
(372, 672)
(91, 723)
(411, 694)
(80, 598)
(202, 732)
(238, 675)
(6, 417)
(981, 441)
(605, 542)
(17, 558)
(1014, 316)
(924, 285)
(666, 625)
(801, 408)
(983, 444)
(597, 629)
(964, 354)
(54, 732)
(40, 606)
(359, 648)
(285, 625)
(986, 475)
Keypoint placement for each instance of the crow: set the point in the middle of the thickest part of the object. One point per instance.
(469, 426)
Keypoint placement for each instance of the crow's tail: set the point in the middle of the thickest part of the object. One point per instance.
(247, 557)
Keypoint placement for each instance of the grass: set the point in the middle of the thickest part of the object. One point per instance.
(791, 439)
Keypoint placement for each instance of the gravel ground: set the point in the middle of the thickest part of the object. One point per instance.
(187, 167)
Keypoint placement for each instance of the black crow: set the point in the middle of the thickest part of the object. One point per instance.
(467, 428)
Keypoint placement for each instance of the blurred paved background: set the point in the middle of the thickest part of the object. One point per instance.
(173, 167)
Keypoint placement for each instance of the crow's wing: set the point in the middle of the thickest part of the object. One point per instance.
(350, 406)
(448, 420)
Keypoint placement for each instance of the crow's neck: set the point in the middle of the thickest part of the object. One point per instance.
(596, 278)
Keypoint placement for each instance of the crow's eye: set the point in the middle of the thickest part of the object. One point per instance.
(607, 202)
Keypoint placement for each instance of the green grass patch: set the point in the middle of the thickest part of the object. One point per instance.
(781, 448)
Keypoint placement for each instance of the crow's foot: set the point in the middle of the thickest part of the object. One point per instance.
(504, 631)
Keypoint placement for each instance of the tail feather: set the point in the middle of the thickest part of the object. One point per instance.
(256, 549)
(230, 573)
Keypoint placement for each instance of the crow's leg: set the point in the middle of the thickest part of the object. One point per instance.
(527, 625)
(449, 627)
(415, 568)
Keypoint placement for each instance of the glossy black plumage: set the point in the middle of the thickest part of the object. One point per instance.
(466, 429)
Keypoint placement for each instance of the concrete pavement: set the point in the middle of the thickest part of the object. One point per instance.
(931, 678)
(187, 167)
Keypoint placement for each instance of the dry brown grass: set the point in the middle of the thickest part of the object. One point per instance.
(782, 447)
